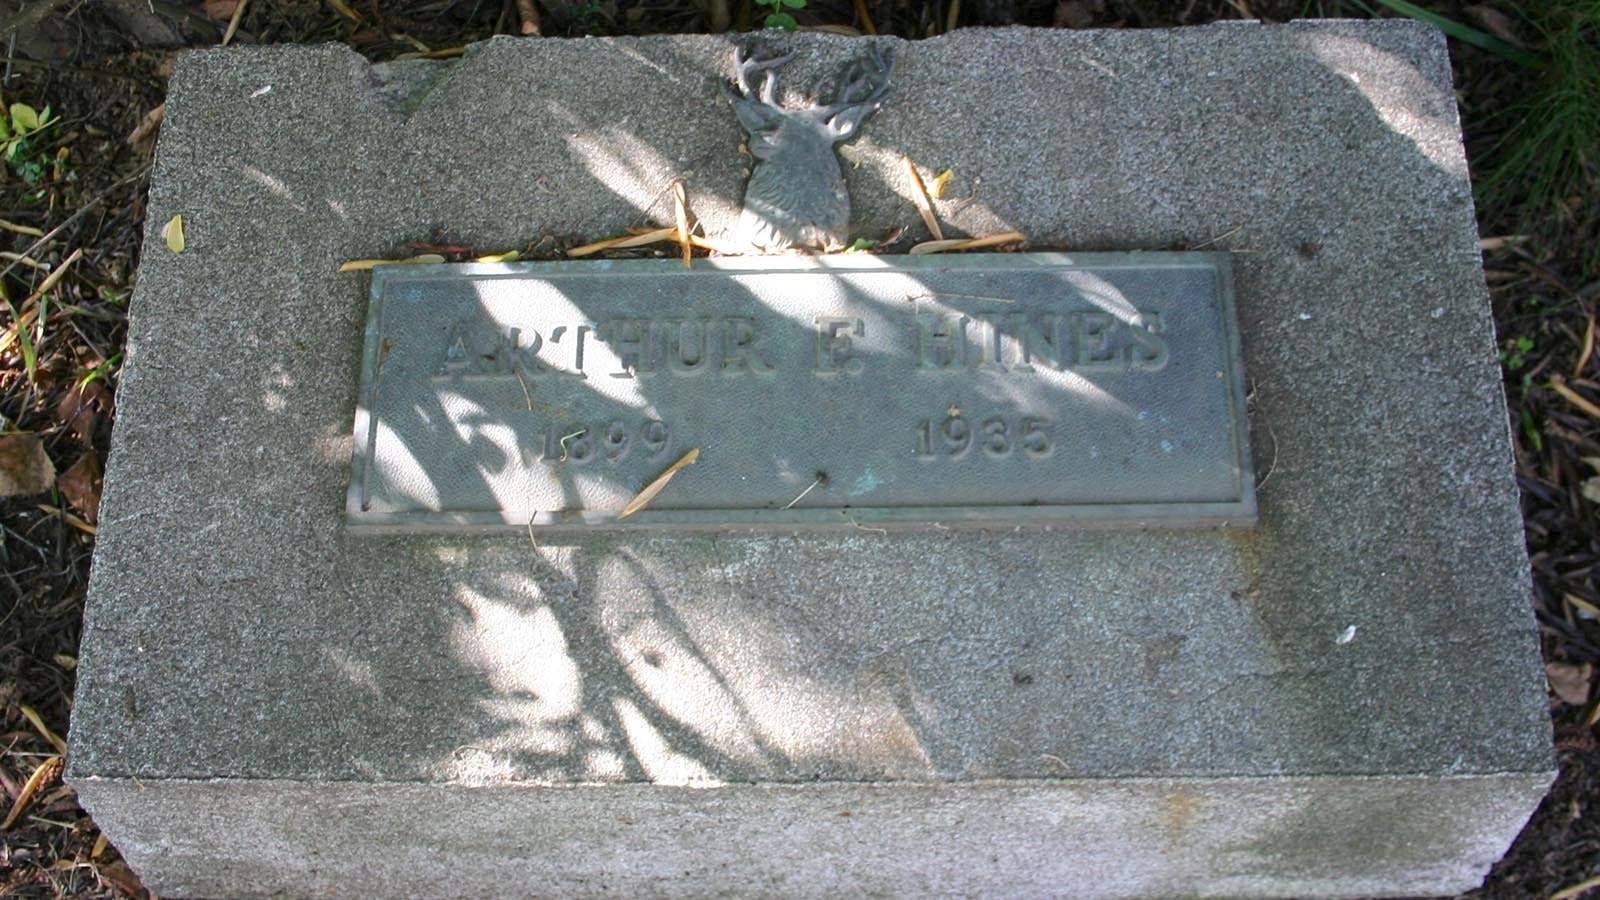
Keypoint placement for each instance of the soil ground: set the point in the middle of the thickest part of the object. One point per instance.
(71, 217)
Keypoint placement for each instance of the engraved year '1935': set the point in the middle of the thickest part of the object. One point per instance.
(996, 436)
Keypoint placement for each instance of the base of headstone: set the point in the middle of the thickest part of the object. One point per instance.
(1344, 698)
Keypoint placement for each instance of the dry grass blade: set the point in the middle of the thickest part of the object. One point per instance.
(147, 126)
(723, 247)
(1586, 350)
(1572, 891)
(924, 203)
(41, 776)
(101, 842)
(363, 265)
(1575, 398)
(343, 9)
(233, 22)
(20, 229)
(32, 716)
(655, 487)
(28, 311)
(993, 240)
(54, 278)
(633, 240)
(867, 26)
(508, 256)
(28, 261)
(70, 519)
(680, 218)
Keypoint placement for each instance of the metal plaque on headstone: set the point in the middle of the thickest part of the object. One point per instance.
(847, 391)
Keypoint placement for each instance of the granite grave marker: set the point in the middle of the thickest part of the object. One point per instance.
(279, 694)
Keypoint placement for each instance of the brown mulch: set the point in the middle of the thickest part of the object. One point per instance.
(101, 67)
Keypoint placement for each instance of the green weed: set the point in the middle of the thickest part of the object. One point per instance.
(19, 130)
(779, 17)
(1543, 165)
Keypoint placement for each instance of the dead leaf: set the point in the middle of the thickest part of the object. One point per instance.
(1570, 681)
(940, 182)
(653, 488)
(172, 233)
(1078, 13)
(119, 874)
(24, 466)
(1496, 23)
(147, 125)
(219, 10)
(41, 776)
(1591, 489)
(79, 409)
(80, 485)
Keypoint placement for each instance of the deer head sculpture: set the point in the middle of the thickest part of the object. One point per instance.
(797, 194)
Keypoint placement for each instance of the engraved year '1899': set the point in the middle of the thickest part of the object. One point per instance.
(579, 443)
(996, 436)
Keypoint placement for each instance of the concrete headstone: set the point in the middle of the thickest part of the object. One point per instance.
(1344, 698)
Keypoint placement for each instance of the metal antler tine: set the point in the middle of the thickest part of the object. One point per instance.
(746, 66)
(857, 77)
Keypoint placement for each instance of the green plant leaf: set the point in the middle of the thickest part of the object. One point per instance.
(794, 4)
(23, 118)
(5, 130)
(101, 370)
(1465, 33)
(781, 20)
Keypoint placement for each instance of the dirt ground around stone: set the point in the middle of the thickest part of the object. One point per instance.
(72, 216)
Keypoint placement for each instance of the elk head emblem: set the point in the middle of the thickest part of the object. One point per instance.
(797, 195)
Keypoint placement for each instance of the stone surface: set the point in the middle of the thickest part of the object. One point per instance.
(1344, 700)
(997, 389)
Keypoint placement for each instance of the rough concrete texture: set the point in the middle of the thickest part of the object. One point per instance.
(1344, 700)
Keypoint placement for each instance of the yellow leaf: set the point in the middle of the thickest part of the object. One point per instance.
(172, 233)
(653, 488)
(939, 182)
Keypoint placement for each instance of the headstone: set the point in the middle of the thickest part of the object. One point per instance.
(290, 686)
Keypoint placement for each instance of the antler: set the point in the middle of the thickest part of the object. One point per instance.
(746, 67)
(847, 112)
